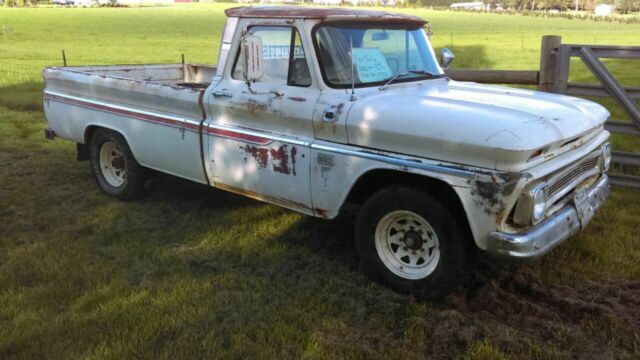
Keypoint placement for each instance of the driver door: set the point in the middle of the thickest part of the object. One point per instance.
(259, 136)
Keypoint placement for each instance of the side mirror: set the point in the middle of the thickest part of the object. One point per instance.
(252, 57)
(446, 57)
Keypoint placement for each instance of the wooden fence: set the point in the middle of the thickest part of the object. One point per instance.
(553, 76)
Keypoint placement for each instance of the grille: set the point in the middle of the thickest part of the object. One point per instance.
(575, 173)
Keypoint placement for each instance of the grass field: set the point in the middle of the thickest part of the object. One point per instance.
(196, 272)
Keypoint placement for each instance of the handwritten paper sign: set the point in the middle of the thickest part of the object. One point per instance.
(371, 65)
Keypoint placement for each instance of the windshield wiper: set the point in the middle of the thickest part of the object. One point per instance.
(392, 79)
(429, 74)
(419, 72)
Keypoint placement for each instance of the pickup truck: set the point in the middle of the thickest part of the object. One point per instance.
(312, 108)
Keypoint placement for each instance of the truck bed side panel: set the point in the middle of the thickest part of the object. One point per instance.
(159, 121)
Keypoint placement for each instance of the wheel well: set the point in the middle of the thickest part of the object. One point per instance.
(88, 133)
(83, 149)
(374, 180)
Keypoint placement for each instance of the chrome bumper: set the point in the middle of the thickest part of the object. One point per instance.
(546, 235)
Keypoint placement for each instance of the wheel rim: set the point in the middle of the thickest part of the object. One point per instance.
(407, 244)
(112, 164)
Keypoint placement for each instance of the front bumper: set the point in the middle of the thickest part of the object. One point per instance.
(546, 235)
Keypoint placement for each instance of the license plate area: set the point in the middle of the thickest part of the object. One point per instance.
(583, 207)
(587, 201)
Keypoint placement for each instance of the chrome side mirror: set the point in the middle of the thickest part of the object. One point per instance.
(252, 61)
(446, 57)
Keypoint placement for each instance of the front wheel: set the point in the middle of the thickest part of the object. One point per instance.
(410, 242)
(116, 171)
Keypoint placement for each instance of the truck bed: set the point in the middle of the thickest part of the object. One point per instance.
(154, 104)
(186, 75)
(168, 88)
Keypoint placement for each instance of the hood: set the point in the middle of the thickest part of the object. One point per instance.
(472, 124)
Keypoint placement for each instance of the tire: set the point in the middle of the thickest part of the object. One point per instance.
(116, 171)
(400, 225)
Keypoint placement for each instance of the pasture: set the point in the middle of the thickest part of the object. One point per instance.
(195, 272)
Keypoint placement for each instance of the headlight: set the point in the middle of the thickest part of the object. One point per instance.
(538, 202)
(606, 156)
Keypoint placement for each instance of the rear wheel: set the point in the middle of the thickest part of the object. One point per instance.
(116, 171)
(411, 242)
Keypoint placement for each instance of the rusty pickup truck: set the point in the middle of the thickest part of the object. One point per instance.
(312, 108)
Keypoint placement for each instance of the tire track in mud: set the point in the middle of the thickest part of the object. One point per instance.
(514, 311)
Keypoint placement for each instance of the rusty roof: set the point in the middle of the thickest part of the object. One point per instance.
(322, 13)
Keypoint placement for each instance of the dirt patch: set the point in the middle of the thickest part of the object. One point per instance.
(516, 313)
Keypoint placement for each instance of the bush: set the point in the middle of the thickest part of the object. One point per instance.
(17, 3)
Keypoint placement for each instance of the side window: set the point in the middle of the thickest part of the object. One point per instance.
(299, 72)
(281, 65)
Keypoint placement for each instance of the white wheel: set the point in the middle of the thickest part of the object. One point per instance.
(407, 244)
(112, 164)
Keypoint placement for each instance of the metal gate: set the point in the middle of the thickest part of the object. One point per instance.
(609, 86)
(553, 76)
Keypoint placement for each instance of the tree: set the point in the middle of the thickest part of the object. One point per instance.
(627, 6)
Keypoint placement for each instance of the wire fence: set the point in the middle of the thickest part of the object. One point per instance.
(14, 73)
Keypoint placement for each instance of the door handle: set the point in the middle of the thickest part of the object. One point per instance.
(222, 94)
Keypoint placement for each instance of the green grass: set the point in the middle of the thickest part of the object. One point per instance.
(196, 272)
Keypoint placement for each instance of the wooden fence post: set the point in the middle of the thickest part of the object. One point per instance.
(548, 62)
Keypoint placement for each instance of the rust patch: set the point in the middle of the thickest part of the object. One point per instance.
(281, 160)
(261, 155)
(271, 199)
(500, 214)
(294, 151)
(293, 12)
(297, 98)
(280, 157)
(490, 194)
(321, 213)
(255, 106)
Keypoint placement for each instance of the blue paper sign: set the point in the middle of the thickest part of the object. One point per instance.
(371, 65)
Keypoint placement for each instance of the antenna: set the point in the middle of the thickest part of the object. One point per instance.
(353, 79)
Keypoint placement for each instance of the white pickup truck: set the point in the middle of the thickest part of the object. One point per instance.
(311, 108)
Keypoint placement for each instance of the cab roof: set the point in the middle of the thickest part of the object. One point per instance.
(329, 14)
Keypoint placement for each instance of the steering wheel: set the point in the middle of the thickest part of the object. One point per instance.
(394, 63)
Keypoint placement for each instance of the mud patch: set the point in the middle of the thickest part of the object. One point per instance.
(515, 312)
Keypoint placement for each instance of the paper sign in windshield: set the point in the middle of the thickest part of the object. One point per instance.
(371, 65)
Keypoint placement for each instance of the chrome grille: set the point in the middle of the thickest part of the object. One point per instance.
(576, 172)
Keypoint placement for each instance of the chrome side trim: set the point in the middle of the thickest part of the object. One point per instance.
(368, 154)
(172, 120)
(269, 136)
(548, 234)
(191, 125)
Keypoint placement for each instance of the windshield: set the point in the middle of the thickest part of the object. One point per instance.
(380, 54)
